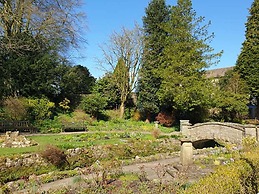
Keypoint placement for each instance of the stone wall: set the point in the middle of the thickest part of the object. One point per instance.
(27, 160)
(230, 132)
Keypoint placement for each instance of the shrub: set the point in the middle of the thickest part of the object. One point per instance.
(40, 108)
(79, 115)
(233, 178)
(84, 159)
(165, 119)
(249, 143)
(93, 104)
(64, 105)
(16, 173)
(136, 116)
(55, 156)
(15, 109)
(49, 126)
(113, 114)
(241, 176)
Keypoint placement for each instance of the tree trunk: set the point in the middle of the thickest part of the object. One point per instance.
(148, 118)
(122, 109)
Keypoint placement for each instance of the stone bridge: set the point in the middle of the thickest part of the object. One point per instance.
(228, 132)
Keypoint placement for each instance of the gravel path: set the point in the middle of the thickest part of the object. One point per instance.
(148, 167)
(163, 169)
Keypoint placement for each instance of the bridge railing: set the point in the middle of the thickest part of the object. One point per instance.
(231, 132)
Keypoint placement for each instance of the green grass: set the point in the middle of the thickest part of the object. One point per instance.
(114, 131)
(127, 125)
(42, 141)
(12, 151)
(75, 140)
(129, 177)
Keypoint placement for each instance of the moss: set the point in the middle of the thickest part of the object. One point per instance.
(129, 177)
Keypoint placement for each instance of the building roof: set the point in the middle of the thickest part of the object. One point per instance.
(216, 73)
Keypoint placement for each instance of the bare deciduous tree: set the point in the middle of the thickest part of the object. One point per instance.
(123, 55)
(55, 21)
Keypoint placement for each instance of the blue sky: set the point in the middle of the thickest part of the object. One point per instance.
(228, 18)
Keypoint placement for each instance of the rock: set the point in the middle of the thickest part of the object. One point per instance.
(78, 150)
(8, 163)
(137, 158)
(13, 139)
(19, 163)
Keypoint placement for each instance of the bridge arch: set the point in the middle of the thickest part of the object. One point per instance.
(206, 143)
(228, 132)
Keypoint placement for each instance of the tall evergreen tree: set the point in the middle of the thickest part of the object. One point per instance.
(157, 14)
(248, 61)
(187, 51)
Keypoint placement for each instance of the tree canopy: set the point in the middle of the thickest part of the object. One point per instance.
(232, 97)
(248, 61)
(186, 54)
(34, 39)
(157, 14)
(164, 63)
(109, 89)
(54, 21)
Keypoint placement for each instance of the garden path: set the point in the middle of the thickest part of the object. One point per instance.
(160, 170)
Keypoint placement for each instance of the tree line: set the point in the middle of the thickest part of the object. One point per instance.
(162, 64)
(171, 81)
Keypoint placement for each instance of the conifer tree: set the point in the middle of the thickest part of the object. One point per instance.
(248, 61)
(187, 53)
(157, 14)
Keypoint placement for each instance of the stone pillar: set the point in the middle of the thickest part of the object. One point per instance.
(184, 126)
(250, 130)
(186, 155)
(156, 124)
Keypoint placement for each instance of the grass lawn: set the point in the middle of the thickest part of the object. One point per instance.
(116, 131)
(67, 141)
(127, 125)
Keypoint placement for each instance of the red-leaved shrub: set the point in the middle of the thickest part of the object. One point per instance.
(165, 119)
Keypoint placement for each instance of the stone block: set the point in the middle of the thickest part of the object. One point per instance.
(186, 155)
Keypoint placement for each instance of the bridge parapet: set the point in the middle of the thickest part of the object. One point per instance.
(252, 130)
(230, 132)
(184, 127)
